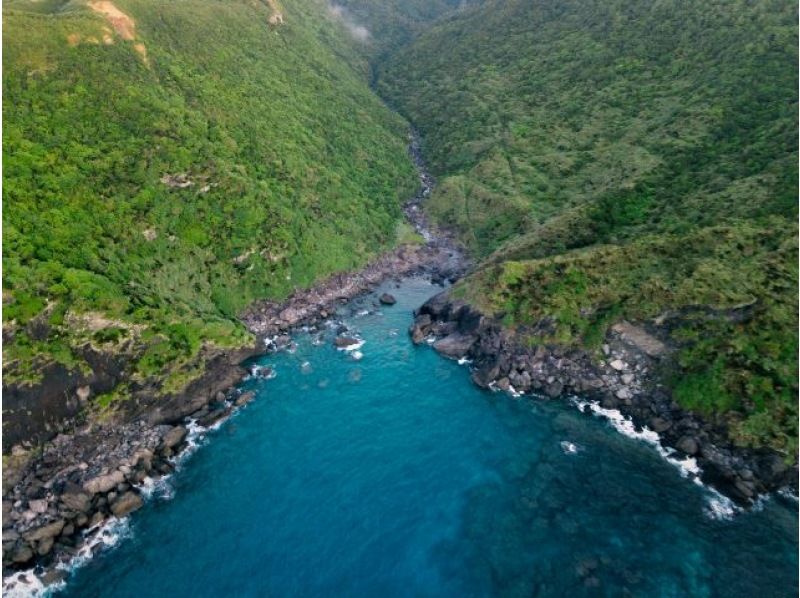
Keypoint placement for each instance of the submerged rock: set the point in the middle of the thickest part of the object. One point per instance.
(387, 299)
(342, 342)
(244, 398)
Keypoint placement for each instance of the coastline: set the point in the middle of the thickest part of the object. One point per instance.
(62, 503)
(59, 501)
(625, 379)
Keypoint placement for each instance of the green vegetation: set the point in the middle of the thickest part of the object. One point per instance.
(605, 159)
(626, 159)
(388, 25)
(163, 172)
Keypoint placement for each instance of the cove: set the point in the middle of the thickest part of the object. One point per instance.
(392, 475)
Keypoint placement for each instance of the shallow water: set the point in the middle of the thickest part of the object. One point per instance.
(393, 475)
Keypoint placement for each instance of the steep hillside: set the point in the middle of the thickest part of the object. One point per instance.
(167, 163)
(627, 159)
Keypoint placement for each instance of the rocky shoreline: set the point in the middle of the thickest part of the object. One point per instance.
(625, 378)
(58, 497)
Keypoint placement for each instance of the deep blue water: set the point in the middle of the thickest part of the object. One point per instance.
(395, 476)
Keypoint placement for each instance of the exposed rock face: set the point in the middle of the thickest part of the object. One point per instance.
(624, 377)
(36, 412)
(640, 338)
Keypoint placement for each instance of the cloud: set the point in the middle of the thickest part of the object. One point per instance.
(359, 32)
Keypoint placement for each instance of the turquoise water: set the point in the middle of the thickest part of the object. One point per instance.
(395, 476)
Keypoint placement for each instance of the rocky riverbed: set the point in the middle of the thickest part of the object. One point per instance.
(625, 377)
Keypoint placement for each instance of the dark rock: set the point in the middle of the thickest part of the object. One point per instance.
(609, 402)
(688, 445)
(213, 417)
(54, 576)
(554, 389)
(469, 321)
(423, 321)
(21, 554)
(747, 489)
(387, 299)
(345, 341)
(444, 328)
(455, 346)
(437, 306)
(659, 425)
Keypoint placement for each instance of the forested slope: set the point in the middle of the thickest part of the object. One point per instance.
(626, 159)
(165, 163)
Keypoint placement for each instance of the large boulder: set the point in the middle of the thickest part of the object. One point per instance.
(437, 306)
(659, 424)
(417, 334)
(387, 299)
(104, 483)
(76, 501)
(688, 445)
(554, 389)
(51, 530)
(455, 346)
(128, 502)
(173, 437)
(21, 554)
(213, 417)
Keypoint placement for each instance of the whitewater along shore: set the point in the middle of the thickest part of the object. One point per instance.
(58, 496)
(624, 377)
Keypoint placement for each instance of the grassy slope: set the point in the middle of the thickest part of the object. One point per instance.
(625, 159)
(298, 171)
